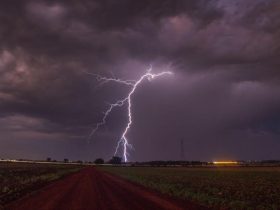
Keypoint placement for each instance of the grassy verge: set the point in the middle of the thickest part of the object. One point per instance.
(18, 179)
(233, 188)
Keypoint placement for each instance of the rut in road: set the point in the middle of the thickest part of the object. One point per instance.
(91, 189)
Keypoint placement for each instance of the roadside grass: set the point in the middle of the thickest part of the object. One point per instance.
(221, 188)
(18, 179)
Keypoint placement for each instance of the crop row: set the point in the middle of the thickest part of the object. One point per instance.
(18, 179)
(233, 188)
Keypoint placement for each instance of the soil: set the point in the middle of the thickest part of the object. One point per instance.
(92, 189)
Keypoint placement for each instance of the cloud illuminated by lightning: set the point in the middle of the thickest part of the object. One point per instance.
(127, 100)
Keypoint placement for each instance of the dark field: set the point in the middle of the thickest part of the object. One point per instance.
(18, 179)
(226, 188)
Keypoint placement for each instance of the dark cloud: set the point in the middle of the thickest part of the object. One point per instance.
(222, 99)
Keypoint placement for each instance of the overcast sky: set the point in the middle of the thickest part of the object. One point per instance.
(223, 99)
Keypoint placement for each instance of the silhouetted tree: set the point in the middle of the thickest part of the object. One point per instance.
(66, 160)
(99, 161)
(115, 160)
(49, 159)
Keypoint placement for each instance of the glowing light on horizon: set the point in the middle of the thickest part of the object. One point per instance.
(225, 162)
(127, 100)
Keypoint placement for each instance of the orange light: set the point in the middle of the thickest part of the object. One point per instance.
(225, 162)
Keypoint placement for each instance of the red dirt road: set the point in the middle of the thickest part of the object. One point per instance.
(91, 189)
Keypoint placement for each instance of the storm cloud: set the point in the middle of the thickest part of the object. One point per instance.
(223, 99)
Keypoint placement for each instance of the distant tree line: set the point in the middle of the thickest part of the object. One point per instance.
(98, 161)
(115, 160)
(170, 163)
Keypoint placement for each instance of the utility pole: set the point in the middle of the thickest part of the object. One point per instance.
(182, 150)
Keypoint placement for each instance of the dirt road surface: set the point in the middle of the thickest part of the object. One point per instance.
(91, 189)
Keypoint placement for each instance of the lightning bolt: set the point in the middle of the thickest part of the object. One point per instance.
(127, 100)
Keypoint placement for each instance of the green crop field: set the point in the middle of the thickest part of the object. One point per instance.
(18, 179)
(225, 188)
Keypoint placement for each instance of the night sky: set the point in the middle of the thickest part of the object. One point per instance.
(223, 99)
